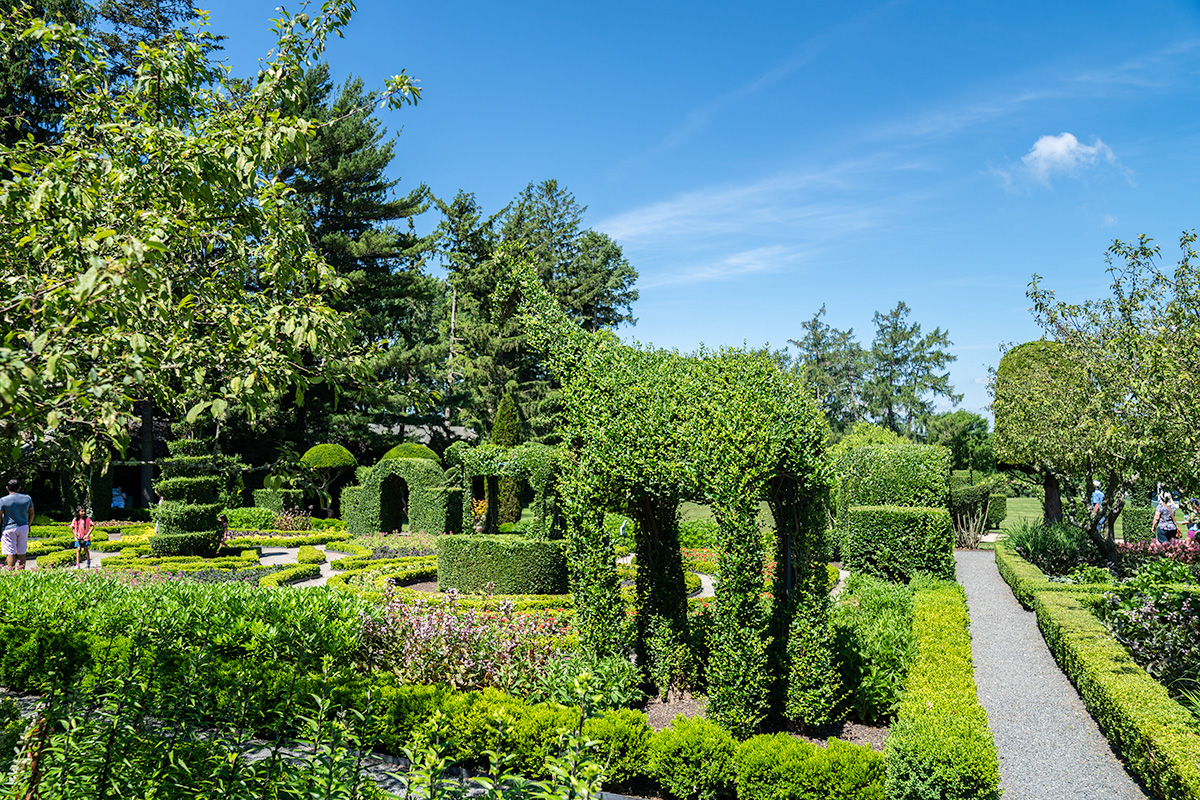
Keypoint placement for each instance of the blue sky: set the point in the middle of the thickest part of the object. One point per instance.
(760, 161)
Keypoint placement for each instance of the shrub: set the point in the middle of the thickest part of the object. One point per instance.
(300, 572)
(32, 658)
(277, 499)
(1054, 549)
(895, 475)
(328, 457)
(694, 759)
(781, 767)
(62, 558)
(511, 564)
(1137, 523)
(896, 543)
(699, 533)
(940, 745)
(872, 622)
(250, 518)
(320, 524)
(309, 555)
(411, 450)
(623, 737)
(375, 506)
(997, 511)
(189, 489)
(200, 543)
(611, 683)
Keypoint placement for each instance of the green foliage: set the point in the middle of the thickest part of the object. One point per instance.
(300, 572)
(196, 543)
(997, 511)
(395, 489)
(250, 518)
(897, 543)
(32, 658)
(310, 555)
(1054, 549)
(940, 745)
(286, 539)
(188, 490)
(813, 683)
(872, 620)
(831, 363)
(694, 759)
(331, 457)
(1153, 735)
(896, 475)
(206, 337)
(277, 500)
(649, 428)
(173, 518)
(536, 464)
(1024, 578)
(624, 738)
(506, 432)
(512, 564)
(411, 450)
(1137, 523)
(966, 436)
(12, 728)
(781, 767)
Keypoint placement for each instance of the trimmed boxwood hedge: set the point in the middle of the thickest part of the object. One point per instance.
(513, 564)
(895, 475)
(997, 511)
(1154, 735)
(940, 745)
(896, 543)
(300, 572)
(189, 489)
(177, 518)
(194, 543)
(310, 555)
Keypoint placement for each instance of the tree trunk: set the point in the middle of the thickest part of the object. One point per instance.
(1052, 505)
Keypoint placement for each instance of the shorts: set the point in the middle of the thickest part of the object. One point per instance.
(80, 543)
(14, 541)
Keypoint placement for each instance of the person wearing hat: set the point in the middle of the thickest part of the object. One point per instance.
(1097, 500)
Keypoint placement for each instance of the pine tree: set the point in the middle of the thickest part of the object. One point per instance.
(831, 362)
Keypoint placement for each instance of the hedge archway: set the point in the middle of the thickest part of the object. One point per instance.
(537, 464)
(428, 497)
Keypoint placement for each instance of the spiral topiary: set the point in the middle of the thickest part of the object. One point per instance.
(186, 520)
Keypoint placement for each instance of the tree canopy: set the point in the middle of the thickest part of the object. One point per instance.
(150, 251)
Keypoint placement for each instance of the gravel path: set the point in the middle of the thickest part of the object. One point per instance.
(1050, 747)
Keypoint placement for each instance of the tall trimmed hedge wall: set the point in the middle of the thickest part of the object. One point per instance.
(1136, 523)
(514, 564)
(374, 505)
(896, 543)
(895, 475)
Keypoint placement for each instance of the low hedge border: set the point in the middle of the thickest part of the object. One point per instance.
(350, 548)
(940, 745)
(1154, 735)
(265, 539)
(300, 572)
(1026, 580)
(56, 559)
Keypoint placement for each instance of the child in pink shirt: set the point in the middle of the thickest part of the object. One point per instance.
(82, 526)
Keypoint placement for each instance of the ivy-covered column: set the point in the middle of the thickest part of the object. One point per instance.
(739, 675)
(595, 586)
(660, 588)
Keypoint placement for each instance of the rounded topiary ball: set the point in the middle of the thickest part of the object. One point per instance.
(328, 456)
(410, 450)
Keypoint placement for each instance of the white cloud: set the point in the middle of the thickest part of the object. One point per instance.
(770, 258)
(1064, 154)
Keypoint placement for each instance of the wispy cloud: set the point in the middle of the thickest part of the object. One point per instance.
(771, 258)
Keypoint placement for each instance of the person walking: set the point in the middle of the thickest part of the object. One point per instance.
(82, 526)
(1097, 502)
(1165, 527)
(16, 512)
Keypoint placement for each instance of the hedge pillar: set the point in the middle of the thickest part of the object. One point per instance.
(661, 592)
(592, 570)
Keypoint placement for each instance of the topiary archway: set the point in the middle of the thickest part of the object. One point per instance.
(647, 429)
(364, 506)
(537, 464)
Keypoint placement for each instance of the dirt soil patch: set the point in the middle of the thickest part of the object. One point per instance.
(659, 714)
(853, 732)
(429, 587)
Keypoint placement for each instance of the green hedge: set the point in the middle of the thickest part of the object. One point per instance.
(940, 745)
(782, 767)
(196, 543)
(967, 503)
(1026, 580)
(176, 518)
(283, 539)
(310, 555)
(276, 499)
(375, 505)
(895, 475)
(410, 450)
(300, 572)
(186, 466)
(60, 558)
(250, 518)
(997, 511)
(200, 489)
(514, 565)
(896, 543)
(1153, 735)
(1136, 522)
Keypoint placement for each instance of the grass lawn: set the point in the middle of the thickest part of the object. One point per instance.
(1029, 509)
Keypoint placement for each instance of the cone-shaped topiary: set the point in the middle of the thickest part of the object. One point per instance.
(329, 462)
(506, 432)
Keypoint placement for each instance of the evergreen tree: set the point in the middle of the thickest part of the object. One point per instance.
(128, 23)
(832, 363)
(365, 232)
(904, 372)
(30, 102)
(506, 432)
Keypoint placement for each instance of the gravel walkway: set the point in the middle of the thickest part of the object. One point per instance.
(1050, 747)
